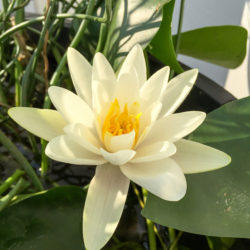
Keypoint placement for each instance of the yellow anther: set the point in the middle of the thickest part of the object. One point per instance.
(119, 123)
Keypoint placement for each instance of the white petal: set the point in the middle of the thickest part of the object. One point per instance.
(153, 152)
(175, 126)
(102, 70)
(135, 58)
(147, 120)
(119, 142)
(194, 157)
(118, 158)
(64, 149)
(101, 100)
(163, 178)
(104, 205)
(153, 89)
(44, 123)
(71, 106)
(83, 136)
(177, 90)
(127, 89)
(81, 74)
(103, 83)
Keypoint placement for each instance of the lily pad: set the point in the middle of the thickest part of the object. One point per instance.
(221, 45)
(49, 220)
(133, 22)
(217, 203)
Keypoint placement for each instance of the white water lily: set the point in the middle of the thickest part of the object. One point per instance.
(125, 125)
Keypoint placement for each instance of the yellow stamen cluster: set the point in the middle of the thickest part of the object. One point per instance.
(119, 123)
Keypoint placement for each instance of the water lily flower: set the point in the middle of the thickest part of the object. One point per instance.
(125, 125)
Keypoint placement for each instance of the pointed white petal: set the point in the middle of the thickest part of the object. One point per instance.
(81, 74)
(194, 157)
(147, 120)
(127, 88)
(150, 115)
(135, 58)
(153, 89)
(118, 158)
(119, 142)
(104, 205)
(177, 90)
(64, 149)
(71, 106)
(103, 84)
(175, 126)
(102, 70)
(83, 136)
(163, 178)
(154, 152)
(101, 99)
(44, 123)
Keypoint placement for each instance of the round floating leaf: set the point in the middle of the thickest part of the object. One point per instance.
(217, 203)
(133, 22)
(221, 45)
(49, 220)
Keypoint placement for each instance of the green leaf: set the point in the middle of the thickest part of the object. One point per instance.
(217, 203)
(50, 220)
(133, 22)
(221, 45)
(162, 46)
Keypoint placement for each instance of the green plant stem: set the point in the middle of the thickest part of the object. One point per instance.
(18, 71)
(178, 38)
(104, 26)
(20, 6)
(41, 18)
(73, 44)
(137, 193)
(24, 164)
(5, 5)
(19, 187)
(174, 244)
(20, 26)
(150, 226)
(82, 16)
(20, 11)
(13, 178)
(44, 162)
(28, 77)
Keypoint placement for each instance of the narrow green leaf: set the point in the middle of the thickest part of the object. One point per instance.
(221, 45)
(24, 164)
(49, 220)
(162, 46)
(217, 203)
(13, 178)
(133, 22)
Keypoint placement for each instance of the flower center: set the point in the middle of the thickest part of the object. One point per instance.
(119, 123)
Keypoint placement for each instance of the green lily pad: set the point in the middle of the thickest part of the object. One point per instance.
(217, 203)
(133, 22)
(221, 45)
(50, 220)
(162, 46)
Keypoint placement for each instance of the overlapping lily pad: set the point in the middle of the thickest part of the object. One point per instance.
(49, 220)
(217, 203)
